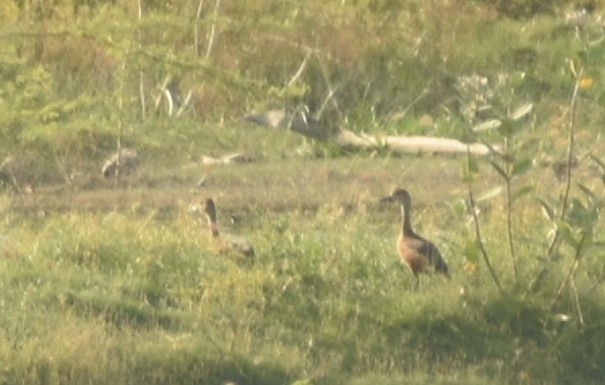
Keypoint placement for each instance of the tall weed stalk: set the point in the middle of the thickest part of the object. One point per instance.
(509, 162)
(560, 219)
(469, 173)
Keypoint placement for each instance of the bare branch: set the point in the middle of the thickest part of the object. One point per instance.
(212, 30)
(478, 235)
(196, 33)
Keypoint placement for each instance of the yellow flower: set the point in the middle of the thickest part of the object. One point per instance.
(585, 83)
(470, 267)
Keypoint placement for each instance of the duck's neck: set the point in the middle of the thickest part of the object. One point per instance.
(406, 223)
(213, 226)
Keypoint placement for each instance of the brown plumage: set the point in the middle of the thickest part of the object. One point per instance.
(228, 242)
(416, 252)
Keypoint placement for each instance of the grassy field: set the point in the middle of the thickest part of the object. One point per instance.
(116, 281)
(123, 285)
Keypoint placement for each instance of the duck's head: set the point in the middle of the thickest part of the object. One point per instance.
(399, 195)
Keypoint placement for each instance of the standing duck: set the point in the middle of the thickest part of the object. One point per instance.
(419, 254)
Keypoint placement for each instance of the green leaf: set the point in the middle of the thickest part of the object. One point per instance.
(490, 194)
(588, 192)
(458, 207)
(521, 166)
(305, 381)
(507, 128)
(547, 210)
(566, 233)
(487, 125)
(521, 192)
(598, 161)
(582, 216)
(522, 111)
(499, 169)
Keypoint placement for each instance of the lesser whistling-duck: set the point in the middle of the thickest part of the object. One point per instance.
(225, 242)
(416, 252)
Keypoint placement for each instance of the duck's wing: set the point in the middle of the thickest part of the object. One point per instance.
(242, 247)
(432, 254)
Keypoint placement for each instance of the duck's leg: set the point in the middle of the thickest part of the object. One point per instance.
(417, 285)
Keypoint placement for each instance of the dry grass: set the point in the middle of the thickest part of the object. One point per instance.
(354, 182)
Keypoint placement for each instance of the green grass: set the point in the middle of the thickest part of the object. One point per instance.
(105, 281)
(122, 295)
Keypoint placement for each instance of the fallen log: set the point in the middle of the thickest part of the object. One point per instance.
(237, 157)
(409, 144)
(406, 144)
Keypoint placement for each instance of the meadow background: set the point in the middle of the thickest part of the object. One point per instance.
(114, 280)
